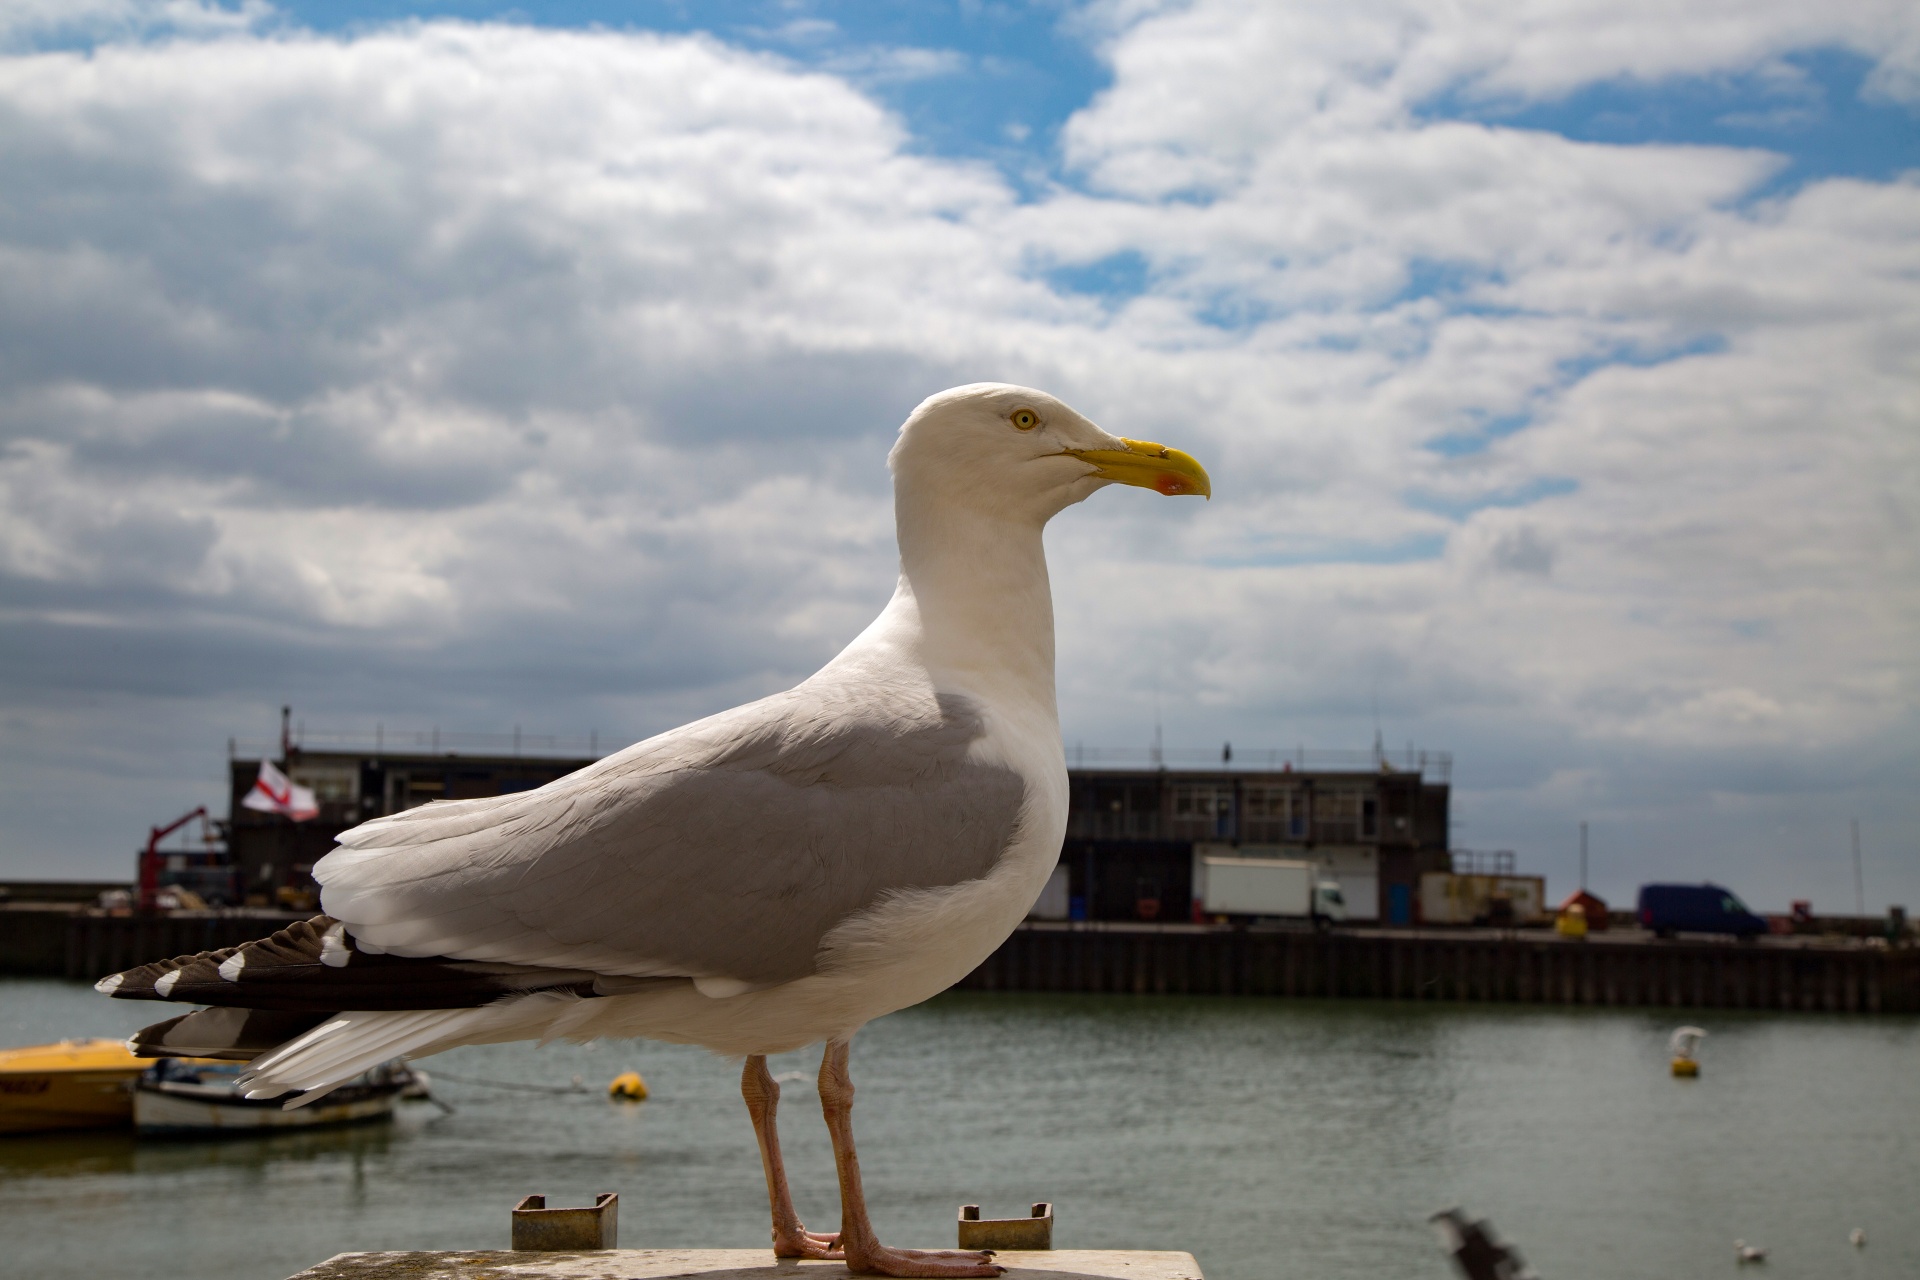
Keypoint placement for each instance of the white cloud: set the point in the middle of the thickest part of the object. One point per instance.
(542, 376)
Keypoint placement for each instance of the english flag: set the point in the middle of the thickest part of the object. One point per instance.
(274, 792)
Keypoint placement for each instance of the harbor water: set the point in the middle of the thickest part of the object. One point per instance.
(1272, 1138)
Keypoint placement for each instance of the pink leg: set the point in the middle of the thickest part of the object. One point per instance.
(865, 1254)
(790, 1239)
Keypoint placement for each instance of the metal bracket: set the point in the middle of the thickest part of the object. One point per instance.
(538, 1228)
(1032, 1232)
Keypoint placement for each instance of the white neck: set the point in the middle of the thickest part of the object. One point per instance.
(974, 607)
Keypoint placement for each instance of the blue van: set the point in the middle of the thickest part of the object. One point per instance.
(1696, 908)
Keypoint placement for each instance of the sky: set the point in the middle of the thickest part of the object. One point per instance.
(454, 365)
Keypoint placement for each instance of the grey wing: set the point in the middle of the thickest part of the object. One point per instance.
(727, 849)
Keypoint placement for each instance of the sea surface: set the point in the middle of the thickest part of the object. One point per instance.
(1271, 1138)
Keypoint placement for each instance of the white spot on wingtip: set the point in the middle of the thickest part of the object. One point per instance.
(164, 987)
(110, 984)
(333, 947)
(721, 988)
(230, 967)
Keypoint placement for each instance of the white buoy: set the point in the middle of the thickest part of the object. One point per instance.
(1857, 1237)
(1681, 1046)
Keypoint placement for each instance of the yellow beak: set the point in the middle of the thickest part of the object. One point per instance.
(1150, 466)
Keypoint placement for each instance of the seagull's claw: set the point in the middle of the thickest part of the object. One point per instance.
(802, 1243)
(882, 1261)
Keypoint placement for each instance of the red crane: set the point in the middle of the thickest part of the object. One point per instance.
(150, 859)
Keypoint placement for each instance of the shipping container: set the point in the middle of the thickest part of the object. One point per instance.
(1450, 898)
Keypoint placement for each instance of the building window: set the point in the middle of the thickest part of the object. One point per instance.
(330, 785)
(1271, 813)
(1340, 815)
(1117, 810)
(1202, 810)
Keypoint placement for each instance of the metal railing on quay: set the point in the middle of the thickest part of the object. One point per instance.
(1435, 766)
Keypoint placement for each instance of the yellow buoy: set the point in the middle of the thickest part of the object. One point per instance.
(1686, 1068)
(628, 1086)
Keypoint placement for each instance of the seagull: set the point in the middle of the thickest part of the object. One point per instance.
(1476, 1254)
(1744, 1252)
(768, 878)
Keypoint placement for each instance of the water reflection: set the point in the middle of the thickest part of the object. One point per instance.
(1270, 1137)
(64, 1155)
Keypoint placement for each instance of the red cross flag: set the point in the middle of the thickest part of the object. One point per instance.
(274, 792)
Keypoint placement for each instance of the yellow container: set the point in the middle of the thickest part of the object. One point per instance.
(1572, 922)
(1685, 1068)
(628, 1086)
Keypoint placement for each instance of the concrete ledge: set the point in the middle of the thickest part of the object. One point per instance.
(716, 1264)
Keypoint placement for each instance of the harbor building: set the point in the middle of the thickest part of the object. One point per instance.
(273, 856)
(1136, 836)
(1136, 830)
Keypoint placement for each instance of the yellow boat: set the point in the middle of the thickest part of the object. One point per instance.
(75, 1084)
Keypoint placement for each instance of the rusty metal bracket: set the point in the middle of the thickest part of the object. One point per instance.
(538, 1228)
(1034, 1231)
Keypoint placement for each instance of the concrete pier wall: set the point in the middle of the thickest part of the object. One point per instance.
(1523, 967)
(1518, 968)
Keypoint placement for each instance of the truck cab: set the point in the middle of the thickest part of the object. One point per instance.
(1667, 909)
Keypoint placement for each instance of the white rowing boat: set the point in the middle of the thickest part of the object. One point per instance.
(177, 1096)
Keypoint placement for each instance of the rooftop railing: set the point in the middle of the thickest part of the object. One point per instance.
(433, 741)
(1434, 766)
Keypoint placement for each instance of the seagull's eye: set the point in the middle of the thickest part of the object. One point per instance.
(1025, 419)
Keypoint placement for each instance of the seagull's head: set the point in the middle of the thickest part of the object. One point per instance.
(1024, 455)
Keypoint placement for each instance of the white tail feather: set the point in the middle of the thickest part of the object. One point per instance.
(345, 1045)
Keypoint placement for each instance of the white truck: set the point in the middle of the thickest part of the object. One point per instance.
(1269, 887)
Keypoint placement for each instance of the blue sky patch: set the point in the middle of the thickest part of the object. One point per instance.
(1233, 312)
(1113, 279)
(1458, 444)
(1523, 496)
(1433, 278)
(1575, 368)
(1814, 114)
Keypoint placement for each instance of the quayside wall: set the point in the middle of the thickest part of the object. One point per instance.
(1519, 967)
(79, 945)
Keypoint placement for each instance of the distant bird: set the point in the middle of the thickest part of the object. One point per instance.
(771, 877)
(1857, 1237)
(1475, 1251)
(1745, 1253)
(1685, 1041)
